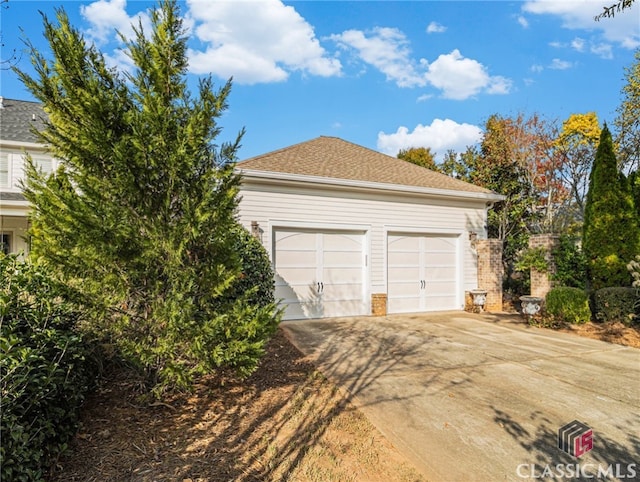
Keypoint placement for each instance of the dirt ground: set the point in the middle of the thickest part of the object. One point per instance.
(285, 422)
(613, 332)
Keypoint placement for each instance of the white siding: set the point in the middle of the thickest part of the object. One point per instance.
(15, 164)
(273, 205)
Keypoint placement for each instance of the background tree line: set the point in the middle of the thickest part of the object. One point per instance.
(545, 168)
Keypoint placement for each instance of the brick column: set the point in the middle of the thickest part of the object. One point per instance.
(541, 282)
(490, 271)
(379, 304)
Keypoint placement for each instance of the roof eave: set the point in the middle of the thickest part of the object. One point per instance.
(257, 175)
(14, 208)
(23, 144)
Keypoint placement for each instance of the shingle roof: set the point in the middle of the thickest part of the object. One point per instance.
(12, 196)
(17, 117)
(335, 158)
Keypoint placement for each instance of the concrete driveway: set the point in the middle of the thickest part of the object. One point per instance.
(482, 397)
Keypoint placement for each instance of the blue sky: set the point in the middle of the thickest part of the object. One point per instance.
(385, 75)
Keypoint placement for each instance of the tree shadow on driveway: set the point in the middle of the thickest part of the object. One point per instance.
(542, 446)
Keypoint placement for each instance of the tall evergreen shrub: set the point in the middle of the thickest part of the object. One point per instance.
(611, 236)
(140, 218)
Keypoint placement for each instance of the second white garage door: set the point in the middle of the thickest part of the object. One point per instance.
(422, 273)
(320, 273)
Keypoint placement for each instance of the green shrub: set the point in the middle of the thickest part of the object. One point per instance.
(634, 269)
(44, 373)
(532, 258)
(568, 304)
(257, 279)
(571, 264)
(615, 304)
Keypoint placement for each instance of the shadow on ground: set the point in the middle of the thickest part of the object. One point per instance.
(285, 419)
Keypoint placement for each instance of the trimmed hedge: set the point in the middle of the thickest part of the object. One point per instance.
(44, 370)
(615, 304)
(568, 304)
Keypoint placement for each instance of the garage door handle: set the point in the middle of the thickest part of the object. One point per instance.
(318, 287)
(321, 287)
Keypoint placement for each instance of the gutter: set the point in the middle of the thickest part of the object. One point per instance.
(297, 179)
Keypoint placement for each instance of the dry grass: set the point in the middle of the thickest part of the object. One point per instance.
(286, 422)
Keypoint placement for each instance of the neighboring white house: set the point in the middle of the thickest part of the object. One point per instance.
(343, 223)
(17, 118)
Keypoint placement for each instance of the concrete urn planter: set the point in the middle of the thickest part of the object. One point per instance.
(531, 305)
(478, 299)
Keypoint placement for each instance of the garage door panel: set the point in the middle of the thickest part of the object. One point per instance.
(402, 258)
(342, 242)
(441, 274)
(342, 259)
(404, 243)
(422, 272)
(442, 288)
(320, 274)
(440, 244)
(296, 259)
(403, 273)
(296, 276)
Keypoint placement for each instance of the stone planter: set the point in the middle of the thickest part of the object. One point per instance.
(531, 305)
(478, 299)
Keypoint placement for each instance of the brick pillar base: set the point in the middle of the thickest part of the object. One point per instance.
(379, 304)
(490, 271)
(541, 282)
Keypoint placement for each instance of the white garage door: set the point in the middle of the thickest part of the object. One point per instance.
(320, 273)
(422, 273)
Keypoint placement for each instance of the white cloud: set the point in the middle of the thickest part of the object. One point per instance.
(578, 44)
(255, 42)
(460, 78)
(524, 23)
(108, 16)
(387, 49)
(537, 68)
(435, 27)
(557, 64)
(602, 50)
(440, 136)
(623, 29)
(424, 98)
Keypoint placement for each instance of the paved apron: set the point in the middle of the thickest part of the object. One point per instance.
(482, 397)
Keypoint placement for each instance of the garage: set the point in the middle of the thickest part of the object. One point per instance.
(422, 272)
(351, 231)
(320, 273)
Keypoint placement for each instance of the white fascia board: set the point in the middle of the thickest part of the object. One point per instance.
(286, 178)
(14, 208)
(36, 146)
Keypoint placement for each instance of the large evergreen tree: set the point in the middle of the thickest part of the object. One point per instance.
(628, 120)
(140, 217)
(611, 236)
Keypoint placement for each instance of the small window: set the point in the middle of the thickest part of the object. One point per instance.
(4, 170)
(43, 164)
(6, 242)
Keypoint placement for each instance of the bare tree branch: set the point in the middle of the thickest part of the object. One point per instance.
(610, 11)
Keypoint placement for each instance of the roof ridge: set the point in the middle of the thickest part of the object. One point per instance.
(333, 157)
(280, 150)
